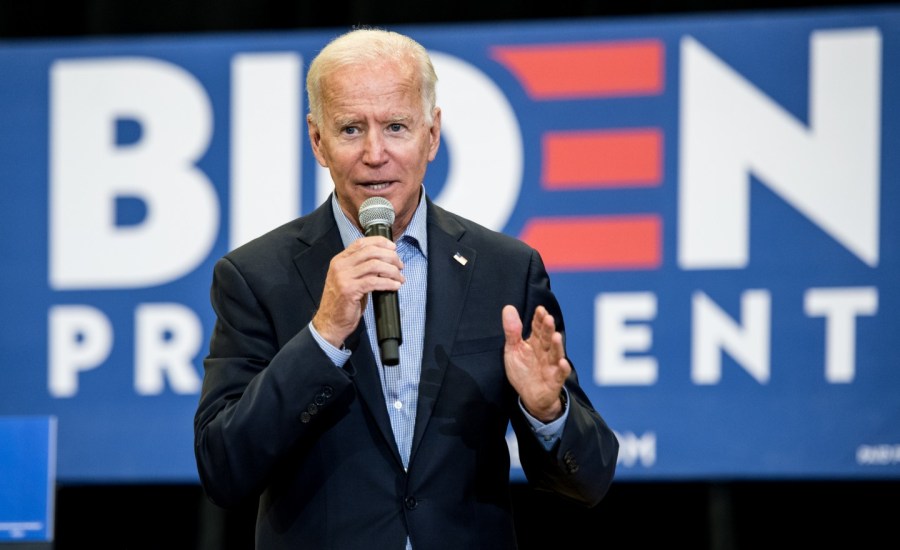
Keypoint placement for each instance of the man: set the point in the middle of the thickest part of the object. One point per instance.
(297, 408)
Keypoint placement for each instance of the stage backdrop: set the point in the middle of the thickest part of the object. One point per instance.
(717, 199)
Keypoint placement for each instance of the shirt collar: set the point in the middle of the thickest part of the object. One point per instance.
(416, 231)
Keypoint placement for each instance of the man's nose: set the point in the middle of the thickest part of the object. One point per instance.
(375, 152)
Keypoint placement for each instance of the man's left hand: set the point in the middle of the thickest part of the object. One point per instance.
(536, 367)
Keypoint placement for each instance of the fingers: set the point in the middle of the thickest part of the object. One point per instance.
(545, 339)
(368, 264)
(537, 368)
(512, 325)
(558, 353)
(371, 262)
(543, 327)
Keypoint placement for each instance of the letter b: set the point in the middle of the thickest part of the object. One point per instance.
(90, 170)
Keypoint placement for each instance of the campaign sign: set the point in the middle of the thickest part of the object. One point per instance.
(27, 478)
(715, 198)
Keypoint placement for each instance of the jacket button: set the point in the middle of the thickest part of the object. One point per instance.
(571, 463)
(411, 503)
(312, 408)
(305, 417)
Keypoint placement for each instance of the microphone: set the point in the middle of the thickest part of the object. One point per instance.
(376, 215)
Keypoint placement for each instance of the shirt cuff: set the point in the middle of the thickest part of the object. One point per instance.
(548, 434)
(338, 356)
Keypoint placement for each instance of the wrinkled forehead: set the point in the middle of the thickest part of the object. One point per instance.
(386, 82)
(400, 70)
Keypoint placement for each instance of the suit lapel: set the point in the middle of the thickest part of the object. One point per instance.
(320, 241)
(364, 370)
(450, 268)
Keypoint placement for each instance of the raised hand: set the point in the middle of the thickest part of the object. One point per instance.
(537, 367)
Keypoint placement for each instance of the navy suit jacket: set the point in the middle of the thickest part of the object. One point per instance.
(278, 421)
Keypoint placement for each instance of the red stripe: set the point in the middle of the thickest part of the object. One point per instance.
(591, 69)
(622, 158)
(597, 243)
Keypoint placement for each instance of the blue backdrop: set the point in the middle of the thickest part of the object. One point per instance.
(731, 311)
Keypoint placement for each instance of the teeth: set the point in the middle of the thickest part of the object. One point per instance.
(377, 186)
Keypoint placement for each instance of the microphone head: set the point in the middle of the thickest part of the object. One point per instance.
(376, 210)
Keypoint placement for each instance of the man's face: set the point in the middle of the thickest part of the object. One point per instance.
(374, 138)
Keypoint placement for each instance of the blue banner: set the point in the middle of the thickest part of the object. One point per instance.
(715, 197)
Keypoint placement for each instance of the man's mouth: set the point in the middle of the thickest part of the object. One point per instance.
(377, 186)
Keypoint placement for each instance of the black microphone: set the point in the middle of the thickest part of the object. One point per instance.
(376, 215)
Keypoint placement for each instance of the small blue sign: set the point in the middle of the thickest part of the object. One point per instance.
(27, 478)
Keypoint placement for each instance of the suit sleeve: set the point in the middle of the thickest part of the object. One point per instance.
(582, 465)
(259, 400)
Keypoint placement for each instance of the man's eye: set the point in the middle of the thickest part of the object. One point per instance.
(396, 127)
(350, 130)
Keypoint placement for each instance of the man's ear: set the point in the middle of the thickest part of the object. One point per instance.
(315, 140)
(435, 132)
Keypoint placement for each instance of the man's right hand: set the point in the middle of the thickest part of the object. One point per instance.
(369, 263)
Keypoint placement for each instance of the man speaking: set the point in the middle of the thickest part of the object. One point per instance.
(347, 449)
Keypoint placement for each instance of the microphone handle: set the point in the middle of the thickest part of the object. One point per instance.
(387, 311)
